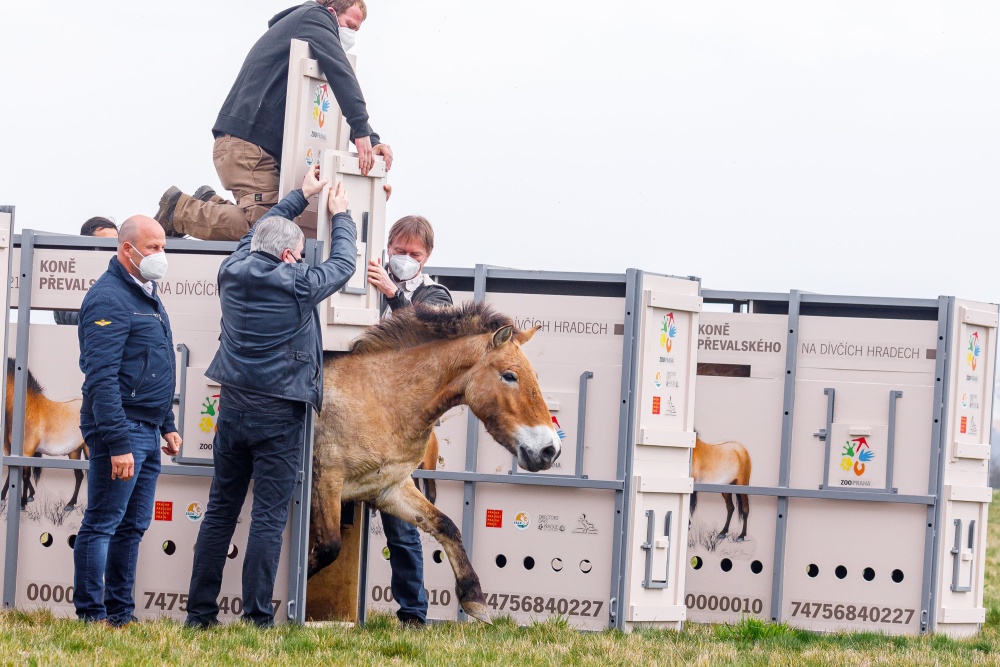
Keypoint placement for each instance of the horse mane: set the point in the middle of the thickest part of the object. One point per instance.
(420, 324)
(33, 386)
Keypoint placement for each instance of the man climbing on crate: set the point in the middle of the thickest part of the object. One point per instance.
(249, 130)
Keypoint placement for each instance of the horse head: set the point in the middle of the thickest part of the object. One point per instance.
(502, 391)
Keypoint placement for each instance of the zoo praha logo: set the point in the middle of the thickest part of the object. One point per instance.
(209, 413)
(321, 104)
(668, 331)
(856, 453)
(974, 350)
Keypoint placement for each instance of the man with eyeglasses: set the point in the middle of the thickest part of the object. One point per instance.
(270, 366)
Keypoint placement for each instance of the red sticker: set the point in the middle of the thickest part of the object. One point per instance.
(163, 510)
(656, 405)
(494, 518)
(965, 424)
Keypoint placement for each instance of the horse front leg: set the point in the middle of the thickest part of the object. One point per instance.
(405, 502)
(324, 523)
(730, 508)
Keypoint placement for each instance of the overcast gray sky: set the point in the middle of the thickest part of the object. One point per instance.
(848, 147)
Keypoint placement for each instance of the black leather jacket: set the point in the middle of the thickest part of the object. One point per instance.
(271, 341)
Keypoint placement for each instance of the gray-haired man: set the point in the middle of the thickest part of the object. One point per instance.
(269, 364)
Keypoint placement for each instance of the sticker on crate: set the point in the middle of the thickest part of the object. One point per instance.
(721, 463)
(522, 520)
(584, 526)
(163, 510)
(668, 332)
(194, 511)
(559, 430)
(854, 456)
(494, 518)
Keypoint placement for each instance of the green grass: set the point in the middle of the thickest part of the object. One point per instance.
(37, 638)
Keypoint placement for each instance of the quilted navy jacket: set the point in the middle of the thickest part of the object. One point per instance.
(127, 358)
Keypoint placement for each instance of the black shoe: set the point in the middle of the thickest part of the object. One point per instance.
(204, 193)
(201, 625)
(412, 622)
(165, 214)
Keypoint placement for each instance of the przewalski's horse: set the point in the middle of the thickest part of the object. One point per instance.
(724, 463)
(51, 428)
(381, 401)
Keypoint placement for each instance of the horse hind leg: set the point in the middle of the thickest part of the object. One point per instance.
(730, 508)
(694, 504)
(71, 505)
(744, 507)
(407, 503)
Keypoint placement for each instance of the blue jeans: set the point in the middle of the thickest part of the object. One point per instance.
(118, 514)
(269, 451)
(406, 558)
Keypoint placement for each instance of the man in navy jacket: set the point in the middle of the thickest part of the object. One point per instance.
(127, 358)
(249, 131)
(270, 366)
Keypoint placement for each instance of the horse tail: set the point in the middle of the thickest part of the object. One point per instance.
(36, 472)
(694, 501)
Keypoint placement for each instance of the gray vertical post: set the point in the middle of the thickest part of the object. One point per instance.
(471, 449)
(181, 397)
(6, 332)
(626, 441)
(939, 448)
(298, 548)
(18, 416)
(581, 422)
(827, 437)
(890, 455)
(784, 470)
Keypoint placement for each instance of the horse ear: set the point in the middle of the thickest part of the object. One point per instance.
(523, 337)
(502, 335)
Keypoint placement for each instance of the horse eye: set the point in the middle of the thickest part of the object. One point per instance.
(508, 377)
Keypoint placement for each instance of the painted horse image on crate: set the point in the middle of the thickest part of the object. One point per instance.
(723, 463)
(381, 402)
(51, 428)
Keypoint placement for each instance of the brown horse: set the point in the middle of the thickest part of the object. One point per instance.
(382, 400)
(724, 463)
(51, 428)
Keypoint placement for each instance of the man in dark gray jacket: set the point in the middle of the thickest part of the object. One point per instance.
(249, 130)
(269, 364)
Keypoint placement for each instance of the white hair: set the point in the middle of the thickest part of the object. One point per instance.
(274, 234)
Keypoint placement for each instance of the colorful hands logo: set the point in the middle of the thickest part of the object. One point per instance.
(321, 104)
(668, 331)
(559, 430)
(859, 449)
(974, 350)
(209, 411)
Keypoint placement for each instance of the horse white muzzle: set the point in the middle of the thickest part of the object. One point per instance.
(537, 447)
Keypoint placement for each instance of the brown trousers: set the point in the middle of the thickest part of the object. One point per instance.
(246, 171)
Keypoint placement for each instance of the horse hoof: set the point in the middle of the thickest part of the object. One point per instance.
(69, 508)
(721, 536)
(740, 539)
(478, 611)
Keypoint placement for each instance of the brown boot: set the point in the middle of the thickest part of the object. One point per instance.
(204, 193)
(165, 214)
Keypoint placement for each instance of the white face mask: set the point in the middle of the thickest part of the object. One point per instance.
(404, 267)
(347, 38)
(153, 266)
